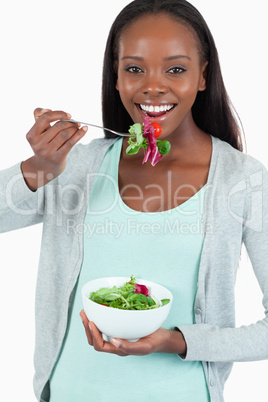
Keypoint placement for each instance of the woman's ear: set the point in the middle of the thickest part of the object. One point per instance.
(203, 77)
(116, 85)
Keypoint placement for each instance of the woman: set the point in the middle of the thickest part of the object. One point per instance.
(215, 184)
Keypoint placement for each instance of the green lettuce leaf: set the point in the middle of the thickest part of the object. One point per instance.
(163, 147)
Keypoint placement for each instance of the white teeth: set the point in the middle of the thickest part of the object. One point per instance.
(156, 109)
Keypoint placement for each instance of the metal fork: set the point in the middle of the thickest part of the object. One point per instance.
(94, 125)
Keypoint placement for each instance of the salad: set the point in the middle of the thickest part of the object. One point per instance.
(144, 136)
(130, 296)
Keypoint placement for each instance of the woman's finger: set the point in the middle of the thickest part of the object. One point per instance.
(100, 345)
(65, 145)
(87, 330)
(57, 150)
(58, 134)
(44, 120)
(42, 125)
(83, 316)
(138, 348)
(154, 342)
(39, 111)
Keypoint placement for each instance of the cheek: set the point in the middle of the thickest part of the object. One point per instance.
(126, 95)
(187, 90)
(124, 87)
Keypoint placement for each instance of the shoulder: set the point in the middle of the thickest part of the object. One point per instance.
(241, 184)
(232, 162)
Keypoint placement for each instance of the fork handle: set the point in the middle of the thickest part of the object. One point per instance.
(94, 125)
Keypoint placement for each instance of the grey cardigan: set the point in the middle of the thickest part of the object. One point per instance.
(235, 211)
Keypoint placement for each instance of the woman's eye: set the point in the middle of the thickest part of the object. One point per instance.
(176, 70)
(134, 69)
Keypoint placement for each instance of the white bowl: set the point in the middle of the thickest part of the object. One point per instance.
(125, 324)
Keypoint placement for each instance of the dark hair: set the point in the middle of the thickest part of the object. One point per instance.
(212, 110)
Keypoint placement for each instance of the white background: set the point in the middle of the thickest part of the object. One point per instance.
(51, 57)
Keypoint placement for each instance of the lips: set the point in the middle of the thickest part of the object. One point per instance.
(156, 110)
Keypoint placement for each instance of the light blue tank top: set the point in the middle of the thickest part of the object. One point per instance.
(163, 247)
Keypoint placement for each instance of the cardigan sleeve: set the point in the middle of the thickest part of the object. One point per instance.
(249, 342)
(19, 206)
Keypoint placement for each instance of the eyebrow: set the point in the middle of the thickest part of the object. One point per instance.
(132, 57)
(176, 57)
(165, 59)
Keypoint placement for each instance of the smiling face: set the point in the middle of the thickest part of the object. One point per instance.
(159, 72)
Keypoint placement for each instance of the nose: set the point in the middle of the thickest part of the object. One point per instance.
(154, 85)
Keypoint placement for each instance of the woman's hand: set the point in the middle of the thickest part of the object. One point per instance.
(51, 145)
(162, 340)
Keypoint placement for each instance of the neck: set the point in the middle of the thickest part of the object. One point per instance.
(187, 138)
